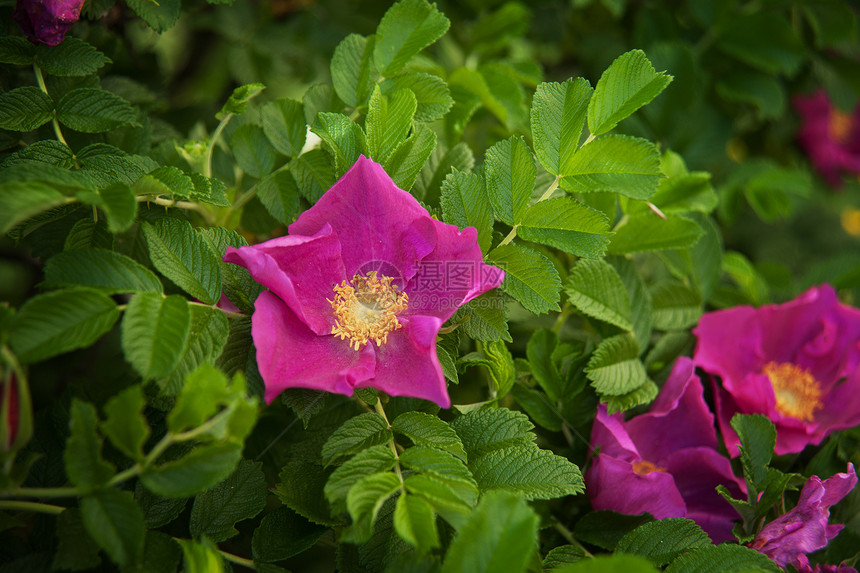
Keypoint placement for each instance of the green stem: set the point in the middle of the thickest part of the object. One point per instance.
(178, 204)
(40, 79)
(159, 448)
(31, 506)
(568, 536)
(244, 198)
(230, 314)
(207, 165)
(381, 411)
(552, 187)
(238, 560)
(562, 317)
(510, 237)
(591, 137)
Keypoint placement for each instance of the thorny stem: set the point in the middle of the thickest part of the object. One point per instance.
(178, 204)
(40, 79)
(381, 411)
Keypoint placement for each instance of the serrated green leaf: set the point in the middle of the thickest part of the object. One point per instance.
(725, 558)
(117, 201)
(207, 190)
(539, 351)
(500, 535)
(499, 364)
(157, 510)
(428, 185)
(426, 430)
(509, 171)
(154, 331)
(557, 117)
(301, 488)
(206, 339)
(237, 283)
(166, 180)
(95, 111)
(684, 193)
(125, 425)
(605, 528)
(16, 50)
(486, 430)
(83, 460)
(449, 367)
(465, 203)
(648, 232)
(200, 398)
(201, 556)
(610, 564)
(183, 256)
(279, 193)
(389, 118)
(595, 288)
(352, 71)
(527, 471)
(46, 151)
(25, 109)
(204, 467)
(76, 550)
(89, 234)
(764, 42)
(237, 103)
(529, 277)
(639, 295)
(431, 92)
(57, 322)
(252, 150)
(470, 91)
(354, 435)
(21, 200)
(619, 164)
(72, 57)
(100, 269)
(161, 553)
(676, 306)
(662, 541)
(373, 460)
(409, 157)
(284, 125)
(453, 499)
(565, 224)
(364, 501)
(432, 461)
(241, 496)
(115, 522)
(641, 395)
(486, 318)
(283, 534)
(627, 84)
(343, 136)
(615, 368)
(407, 27)
(563, 555)
(160, 17)
(758, 438)
(313, 173)
(415, 522)
(507, 95)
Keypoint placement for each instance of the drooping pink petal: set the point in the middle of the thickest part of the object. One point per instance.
(613, 484)
(47, 21)
(609, 432)
(290, 355)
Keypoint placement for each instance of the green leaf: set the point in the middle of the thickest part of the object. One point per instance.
(280, 195)
(442, 162)
(165, 180)
(436, 462)
(352, 72)
(355, 435)
(662, 541)
(161, 553)
(204, 467)
(453, 499)
(595, 288)
(426, 430)
(201, 556)
(764, 42)
(676, 306)
(615, 368)
(724, 558)
(88, 234)
(117, 201)
(301, 488)
(619, 164)
(389, 119)
(252, 150)
(21, 200)
(126, 425)
(237, 103)
(201, 396)
(313, 173)
(527, 471)
(509, 170)
(100, 269)
(72, 57)
(407, 27)
(16, 50)
(160, 16)
(465, 203)
(95, 111)
(115, 522)
(154, 331)
(237, 283)
(640, 298)
(758, 438)
(364, 501)
(406, 161)
(45, 151)
(284, 125)
(557, 116)
(207, 190)
(25, 109)
(641, 395)
(487, 430)
(487, 318)
(449, 367)
(500, 535)
(539, 351)
(206, 339)
(241, 496)
(76, 550)
(373, 460)
(415, 522)
(83, 460)
(609, 564)
(605, 528)
(563, 555)
(626, 85)
(283, 534)
(61, 321)
(530, 277)
(648, 232)
(157, 510)
(431, 92)
(181, 254)
(343, 136)
(500, 365)
(565, 224)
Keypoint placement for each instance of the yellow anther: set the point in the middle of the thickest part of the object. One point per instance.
(367, 309)
(798, 393)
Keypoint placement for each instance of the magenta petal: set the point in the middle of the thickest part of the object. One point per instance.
(283, 266)
(609, 433)
(729, 344)
(838, 486)
(407, 365)
(612, 484)
(290, 355)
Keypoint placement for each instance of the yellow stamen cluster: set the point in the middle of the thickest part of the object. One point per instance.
(798, 393)
(643, 467)
(839, 125)
(367, 309)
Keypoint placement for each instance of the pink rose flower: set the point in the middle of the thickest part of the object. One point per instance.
(830, 137)
(791, 536)
(665, 462)
(359, 289)
(796, 363)
(47, 21)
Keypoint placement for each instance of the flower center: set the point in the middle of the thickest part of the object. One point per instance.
(643, 467)
(798, 393)
(367, 309)
(839, 125)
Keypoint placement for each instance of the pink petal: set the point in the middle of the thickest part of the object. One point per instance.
(612, 484)
(609, 433)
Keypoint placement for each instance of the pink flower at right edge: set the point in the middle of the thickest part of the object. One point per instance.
(47, 21)
(830, 137)
(791, 536)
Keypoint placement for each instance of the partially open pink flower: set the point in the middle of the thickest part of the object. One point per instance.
(804, 529)
(796, 363)
(664, 462)
(47, 21)
(831, 137)
(359, 289)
